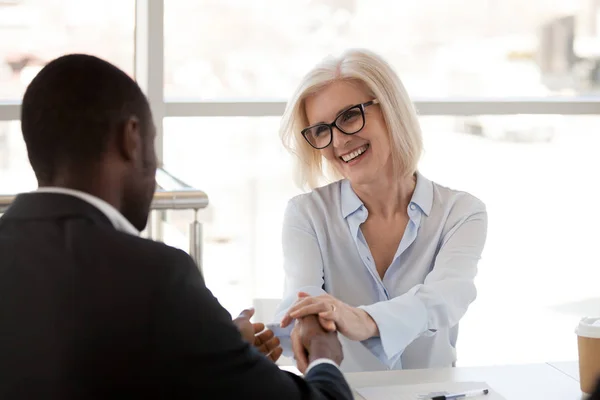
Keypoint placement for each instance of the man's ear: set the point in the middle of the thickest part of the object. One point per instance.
(129, 139)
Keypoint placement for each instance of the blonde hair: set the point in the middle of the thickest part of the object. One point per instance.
(400, 116)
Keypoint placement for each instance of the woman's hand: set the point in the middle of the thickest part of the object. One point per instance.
(352, 322)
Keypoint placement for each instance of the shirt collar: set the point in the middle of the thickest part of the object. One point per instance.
(422, 196)
(350, 201)
(114, 216)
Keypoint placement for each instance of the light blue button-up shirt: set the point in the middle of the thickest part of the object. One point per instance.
(425, 291)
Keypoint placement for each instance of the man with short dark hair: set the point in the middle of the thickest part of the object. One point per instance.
(91, 310)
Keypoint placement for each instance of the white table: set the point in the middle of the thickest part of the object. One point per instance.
(570, 368)
(514, 382)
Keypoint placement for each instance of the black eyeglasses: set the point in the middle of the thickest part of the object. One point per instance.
(349, 122)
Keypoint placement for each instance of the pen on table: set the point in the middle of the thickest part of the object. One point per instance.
(471, 393)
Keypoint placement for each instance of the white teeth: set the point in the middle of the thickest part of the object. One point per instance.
(351, 156)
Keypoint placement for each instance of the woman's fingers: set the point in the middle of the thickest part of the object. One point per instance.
(311, 309)
(327, 322)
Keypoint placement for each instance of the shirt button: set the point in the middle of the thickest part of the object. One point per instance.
(412, 207)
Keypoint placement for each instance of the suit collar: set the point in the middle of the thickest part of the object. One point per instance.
(116, 218)
(31, 206)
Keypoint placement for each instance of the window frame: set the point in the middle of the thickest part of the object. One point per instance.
(149, 57)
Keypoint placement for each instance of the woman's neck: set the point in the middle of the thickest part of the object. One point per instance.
(385, 198)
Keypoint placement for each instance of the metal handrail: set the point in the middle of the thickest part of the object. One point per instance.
(191, 199)
(167, 181)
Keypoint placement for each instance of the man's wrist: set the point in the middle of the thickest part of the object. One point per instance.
(320, 348)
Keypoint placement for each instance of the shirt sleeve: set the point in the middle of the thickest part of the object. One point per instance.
(443, 298)
(302, 260)
(302, 264)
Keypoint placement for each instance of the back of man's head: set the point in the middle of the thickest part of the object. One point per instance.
(88, 126)
(71, 108)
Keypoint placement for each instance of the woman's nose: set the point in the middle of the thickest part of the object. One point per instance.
(339, 139)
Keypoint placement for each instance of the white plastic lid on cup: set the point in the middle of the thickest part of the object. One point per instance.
(589, 327)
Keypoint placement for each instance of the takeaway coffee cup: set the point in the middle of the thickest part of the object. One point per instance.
(588, 343)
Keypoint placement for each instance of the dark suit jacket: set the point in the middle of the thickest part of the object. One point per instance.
(90, 312)
(596, 394)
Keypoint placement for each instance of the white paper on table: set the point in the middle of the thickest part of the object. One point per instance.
(426, 391)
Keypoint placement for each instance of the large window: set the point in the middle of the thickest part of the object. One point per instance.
(233, 62)
(16, 174)
(216, 48)
(33, 32)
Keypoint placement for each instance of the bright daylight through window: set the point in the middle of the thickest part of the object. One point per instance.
(534, 172)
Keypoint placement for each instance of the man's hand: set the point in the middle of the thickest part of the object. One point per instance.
(255, 333)
(354, 323)
(310, 342)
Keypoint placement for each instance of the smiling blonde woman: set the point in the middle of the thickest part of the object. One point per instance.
(382, 254)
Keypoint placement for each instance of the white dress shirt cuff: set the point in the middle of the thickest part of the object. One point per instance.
(319, 361)
(400, 321)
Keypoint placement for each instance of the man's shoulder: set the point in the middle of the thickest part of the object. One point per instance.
(142, 247)
(134, 251)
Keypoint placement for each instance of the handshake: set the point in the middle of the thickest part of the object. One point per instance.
(312, 338)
